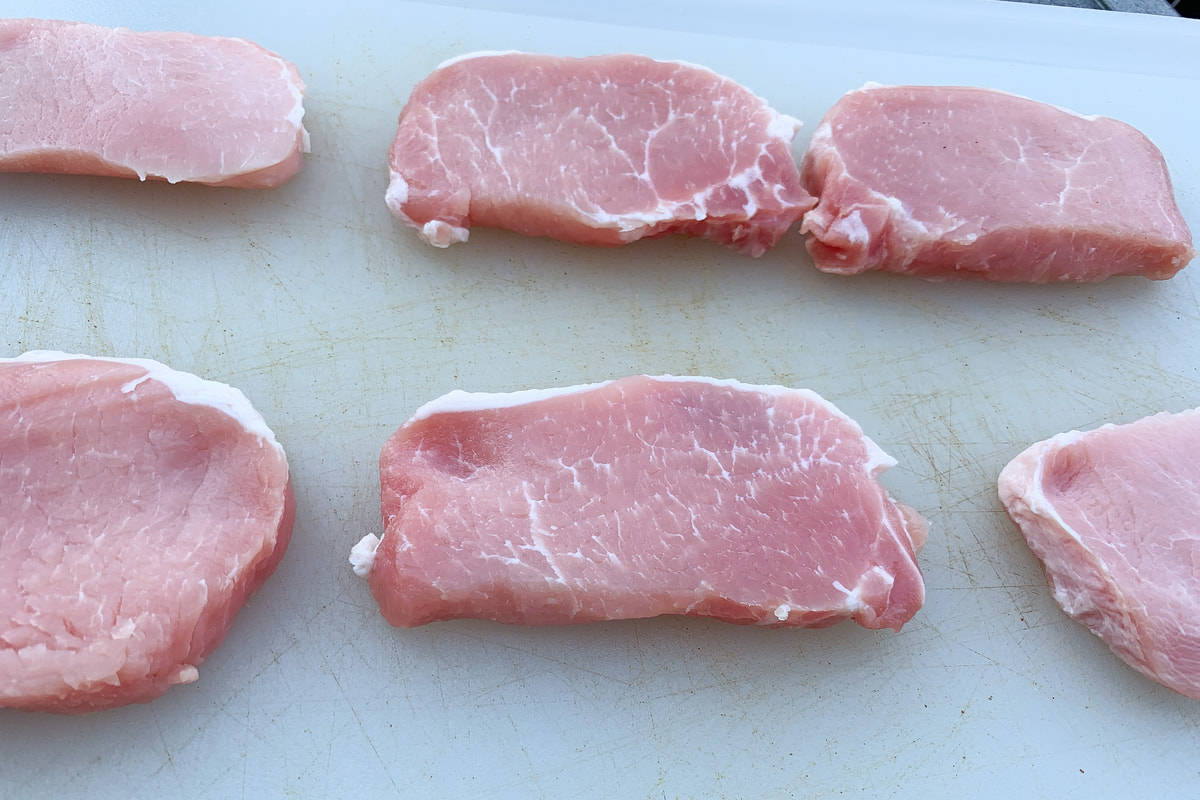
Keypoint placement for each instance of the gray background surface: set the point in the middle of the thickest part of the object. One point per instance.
(1162, 7)
(338, 323)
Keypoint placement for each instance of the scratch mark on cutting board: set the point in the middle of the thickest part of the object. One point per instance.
(533, 773)
(245, 760)
(358, 720)
(168, 758)
(551, 659)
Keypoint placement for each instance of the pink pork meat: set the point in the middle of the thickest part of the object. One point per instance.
(78, 98)
(1114, 515)
(139, 509)
(602, 150)
(948, 182)
(638, 497)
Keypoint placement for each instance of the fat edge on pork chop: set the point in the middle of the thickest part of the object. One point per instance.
(640, 497)
(602, 150)
(141, 507)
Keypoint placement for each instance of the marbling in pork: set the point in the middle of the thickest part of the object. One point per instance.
(82, 99)
(640, 497)
(602, 150)
(139, 509)
(1114, 515)
(952, 182)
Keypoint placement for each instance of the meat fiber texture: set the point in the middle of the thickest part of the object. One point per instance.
(602, 150)
(640, 497)
(1114, 515)
(139, 509)
(82, 99)
(950, 182)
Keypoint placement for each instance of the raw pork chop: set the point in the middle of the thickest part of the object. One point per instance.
(946, 182)
(83, 99)
(600, 150)
(639, 497)
(1114, 515)
(139, 508)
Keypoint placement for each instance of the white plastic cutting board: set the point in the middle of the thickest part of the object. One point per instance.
(338, 323)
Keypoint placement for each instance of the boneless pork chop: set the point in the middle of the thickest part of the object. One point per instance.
(139, 509)
(640, 497)
(602, 150)
(1114, 515)
(83, 99)
(946, 182)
